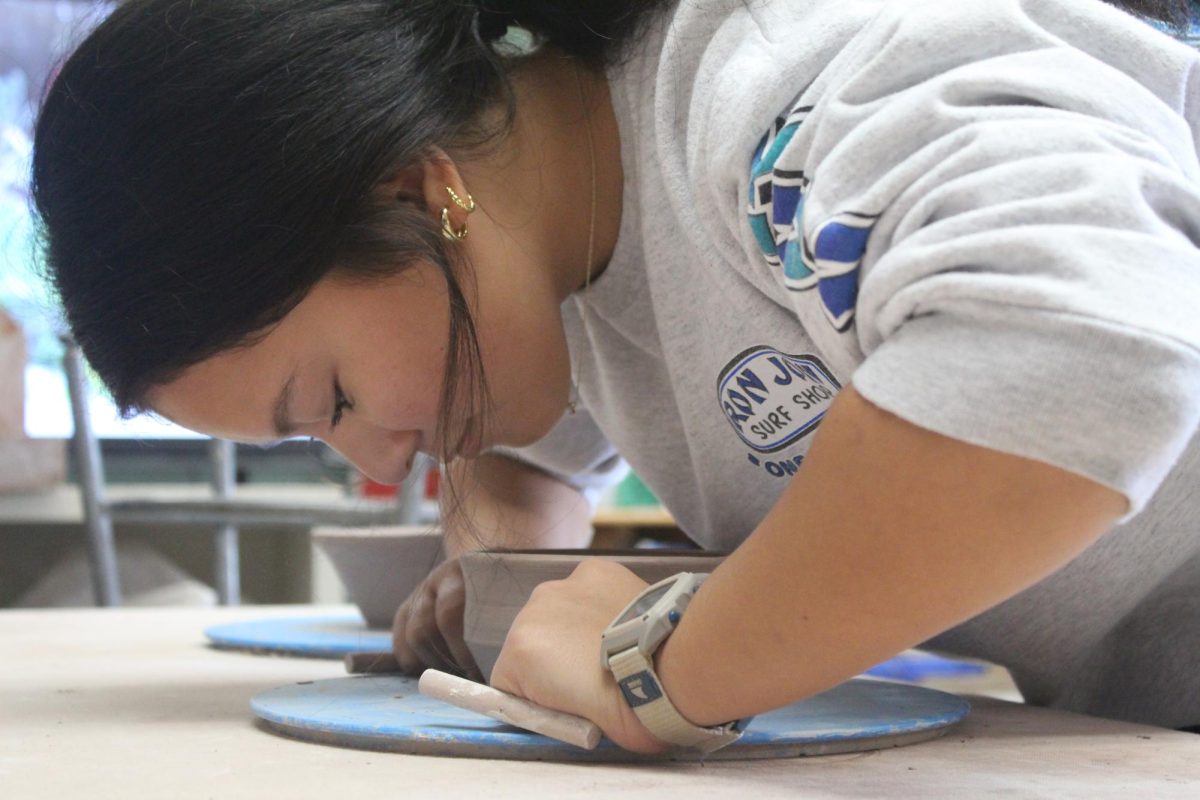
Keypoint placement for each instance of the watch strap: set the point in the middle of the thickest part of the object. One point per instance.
(645, 695)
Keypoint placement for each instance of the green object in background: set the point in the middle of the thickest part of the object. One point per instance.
(632, 492)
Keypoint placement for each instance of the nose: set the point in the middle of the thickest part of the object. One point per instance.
(383, 456)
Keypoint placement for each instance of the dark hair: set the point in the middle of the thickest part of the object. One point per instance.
(1176, 13)
(200, 166)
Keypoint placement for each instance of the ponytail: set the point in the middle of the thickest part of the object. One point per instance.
(593, 31)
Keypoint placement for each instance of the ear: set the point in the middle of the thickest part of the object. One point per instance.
(424, 183)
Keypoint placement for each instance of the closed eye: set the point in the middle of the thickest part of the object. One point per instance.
(340, 404)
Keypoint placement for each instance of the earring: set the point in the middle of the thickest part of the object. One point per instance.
(448, 229)
(468, 206)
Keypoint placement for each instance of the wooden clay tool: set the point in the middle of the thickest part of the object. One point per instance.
(509, 709)
(483, 699)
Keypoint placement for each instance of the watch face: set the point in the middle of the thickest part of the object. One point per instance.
(645, 603)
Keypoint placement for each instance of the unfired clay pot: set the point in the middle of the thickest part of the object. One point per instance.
(381, 566)
(499, 582)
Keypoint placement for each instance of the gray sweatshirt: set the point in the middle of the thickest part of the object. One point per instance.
(982, 213)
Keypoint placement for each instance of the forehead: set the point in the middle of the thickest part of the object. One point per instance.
(232, 395)
(390, 326)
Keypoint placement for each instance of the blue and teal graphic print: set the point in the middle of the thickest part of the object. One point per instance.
(777, 201)
(828, 259)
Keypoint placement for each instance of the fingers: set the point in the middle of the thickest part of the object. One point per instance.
(427, 631)
(405, 656)
(424, 645)
(449, 612)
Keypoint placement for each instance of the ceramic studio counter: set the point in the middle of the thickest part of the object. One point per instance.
(132, 704)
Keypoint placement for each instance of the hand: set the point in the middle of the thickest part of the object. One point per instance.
(551, 655)
(427, 631)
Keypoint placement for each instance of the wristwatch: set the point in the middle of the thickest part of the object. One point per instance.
(627, 649)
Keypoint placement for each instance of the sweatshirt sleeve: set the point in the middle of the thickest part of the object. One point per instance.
(993, 205)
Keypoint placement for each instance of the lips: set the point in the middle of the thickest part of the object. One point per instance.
(402, 472)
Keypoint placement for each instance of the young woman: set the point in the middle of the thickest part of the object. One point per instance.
(893, 300)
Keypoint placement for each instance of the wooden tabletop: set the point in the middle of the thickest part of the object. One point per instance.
(634, 516)
(132, 704)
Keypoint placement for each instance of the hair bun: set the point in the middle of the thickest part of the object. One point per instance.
(492, 25)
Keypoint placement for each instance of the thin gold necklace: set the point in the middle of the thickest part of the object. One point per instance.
(576, 380)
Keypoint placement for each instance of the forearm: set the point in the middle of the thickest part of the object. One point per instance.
(888, 535)
(499, 502)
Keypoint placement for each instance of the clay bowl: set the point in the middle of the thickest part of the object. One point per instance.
(380, 566)
(499, 582)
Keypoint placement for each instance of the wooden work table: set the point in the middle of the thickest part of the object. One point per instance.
(131, 704)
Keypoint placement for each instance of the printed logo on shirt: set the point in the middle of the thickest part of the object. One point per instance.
(773, 399)
(777, 197)
(834, 253)
(827, 259)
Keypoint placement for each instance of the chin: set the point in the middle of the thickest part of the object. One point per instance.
(531, 426)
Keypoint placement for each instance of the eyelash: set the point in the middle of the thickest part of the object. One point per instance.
(340, 404)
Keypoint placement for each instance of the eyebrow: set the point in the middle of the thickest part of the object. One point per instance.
(281, 419)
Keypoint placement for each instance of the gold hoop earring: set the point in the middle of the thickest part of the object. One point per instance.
(448, 229)
(468, 206)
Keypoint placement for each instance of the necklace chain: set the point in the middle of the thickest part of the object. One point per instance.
(576, 379)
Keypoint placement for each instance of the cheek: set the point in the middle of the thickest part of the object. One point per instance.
(396, 357)
(408, 394)
(396, 380)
